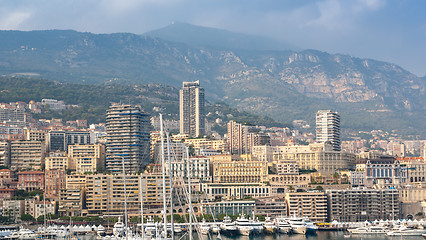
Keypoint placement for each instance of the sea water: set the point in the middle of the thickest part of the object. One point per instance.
(320, 235)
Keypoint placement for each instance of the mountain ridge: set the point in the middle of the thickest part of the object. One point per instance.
(285, 85)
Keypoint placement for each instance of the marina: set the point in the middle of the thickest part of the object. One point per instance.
(280, 228)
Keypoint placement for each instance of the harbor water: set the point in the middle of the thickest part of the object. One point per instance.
(320, 235)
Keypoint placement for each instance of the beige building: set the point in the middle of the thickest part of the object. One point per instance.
(13, 209)
(27, 155)
(87, 158)
(229, 191)
(416, 170)
(191, 109)
(38, 208)
(319, 156)
(71, 202)
(308, 204)
(242, 138)
(105, 193)
(280, 182)
(35, 135)
(228, 170)
(197, 143)
(76, 181)
(326, 163)
(57, 160)
(4, 153)
(411, 195)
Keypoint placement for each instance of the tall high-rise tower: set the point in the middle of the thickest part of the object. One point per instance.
(128, 137)
(192, 114)
(328, 128)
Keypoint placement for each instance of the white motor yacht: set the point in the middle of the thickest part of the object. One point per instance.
(204, 227)
(269, 226)
(228, 227)
(215, 229)
(311, 228)
(297, 225)
(406, 231)
(23, 234)
(118, 229)
(244, 226)
(368, 230)
(282, 225)
(101, 231)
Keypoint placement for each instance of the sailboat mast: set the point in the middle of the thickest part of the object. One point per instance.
(171, 185)
(140, 193)
(164, 175)
(125, 196)
(189, 193)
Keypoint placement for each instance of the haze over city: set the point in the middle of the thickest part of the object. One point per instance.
(393, 31)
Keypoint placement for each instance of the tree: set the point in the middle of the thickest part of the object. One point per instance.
(319, 188)
(27, 217)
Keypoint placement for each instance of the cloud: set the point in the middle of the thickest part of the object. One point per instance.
(14, 20)
(334, 15)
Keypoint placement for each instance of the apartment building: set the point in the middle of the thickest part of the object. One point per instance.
(87, 157)
(191, 109)
(76, 181)
(55, 180)
(71, 202)
(328, 128)
(27, 155)
(197, 143)
(128, 138)
(307, 204)
(362, 204)
(242, 138)
(4, 153)
(271, 207)
(58, 160)
(105, 193)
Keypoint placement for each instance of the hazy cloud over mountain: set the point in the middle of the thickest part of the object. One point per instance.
(393, 31)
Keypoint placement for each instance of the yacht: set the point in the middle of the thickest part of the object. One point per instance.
(150, 227)
(101, 231)
(23, 234)
(204, 227)
(297, 225)
(406, 231)
(282, 225)
(227, 227)
(118, 229)
(269, 226)
(311, 228)
(244, 226)
(215, 229)
(368, 230)
(257, 225)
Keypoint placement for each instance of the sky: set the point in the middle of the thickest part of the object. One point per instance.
(387, 30)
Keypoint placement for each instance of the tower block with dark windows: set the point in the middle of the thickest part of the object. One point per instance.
(328, 128)
(192, 114)
(128, 137)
